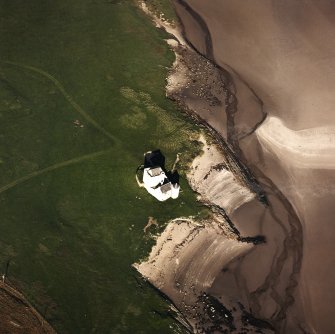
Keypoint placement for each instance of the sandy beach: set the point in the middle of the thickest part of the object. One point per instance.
(275, 50)
(269, 73)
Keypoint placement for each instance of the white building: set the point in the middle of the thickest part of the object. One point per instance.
(155, 180)
(158, 185)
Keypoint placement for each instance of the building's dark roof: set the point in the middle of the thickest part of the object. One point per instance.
(155, 171)
(154, 159)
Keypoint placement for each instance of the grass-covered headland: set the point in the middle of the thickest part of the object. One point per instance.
(82, 96)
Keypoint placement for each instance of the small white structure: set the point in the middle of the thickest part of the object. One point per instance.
(155, 180)
(158, 185)
(153, 176)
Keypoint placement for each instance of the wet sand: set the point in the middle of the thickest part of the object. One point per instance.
(262, 281)
(280, 56)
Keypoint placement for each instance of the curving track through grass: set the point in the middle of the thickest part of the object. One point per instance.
(67, 96)
(52, 168)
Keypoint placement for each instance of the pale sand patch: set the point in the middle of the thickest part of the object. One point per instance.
(151, 221)
(186, 260)
(214, 182)
(178, 77)
(308, 148)
(160, 22)
(190, 254)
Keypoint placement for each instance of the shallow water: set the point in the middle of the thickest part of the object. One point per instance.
(72, 216)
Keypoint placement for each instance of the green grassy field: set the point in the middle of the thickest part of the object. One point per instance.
(72, 216)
